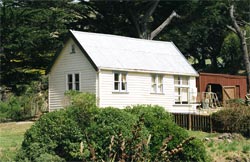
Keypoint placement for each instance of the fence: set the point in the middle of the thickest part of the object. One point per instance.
(194, 121)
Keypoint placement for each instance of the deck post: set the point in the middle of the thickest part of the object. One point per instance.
(189, 122)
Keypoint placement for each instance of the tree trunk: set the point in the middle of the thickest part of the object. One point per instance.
(242, 35)
(163, 25)
(142, 24)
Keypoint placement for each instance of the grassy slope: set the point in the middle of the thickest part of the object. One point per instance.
(11, 137)
(224, 150)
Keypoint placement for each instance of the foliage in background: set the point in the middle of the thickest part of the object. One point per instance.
(85, 132)
(33, 101)
(231, 52)
(32, 31)
(235, 117)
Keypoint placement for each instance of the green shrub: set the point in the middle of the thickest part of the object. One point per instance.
(83, 109)
(79, 99)
(31, 102)
(4, 111)
(83, 132)
(232, 119)
(49, 158)
(54, 133)
(160, 125)
(235, 102)
(112, 122)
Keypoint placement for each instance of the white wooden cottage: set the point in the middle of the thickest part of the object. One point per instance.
(123, 71)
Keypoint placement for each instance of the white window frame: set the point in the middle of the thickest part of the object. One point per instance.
(74, 82)
(157, 85)
(120, 82)
(181, 86)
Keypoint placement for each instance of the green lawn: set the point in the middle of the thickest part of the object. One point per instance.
(11, 137)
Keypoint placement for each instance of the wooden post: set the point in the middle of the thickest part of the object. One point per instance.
(210, 124)
(189, 122)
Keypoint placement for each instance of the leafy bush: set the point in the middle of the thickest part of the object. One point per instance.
(232, 119)
(54, 133)
(12, 109)
(84, 132)
(32, 102)
(4, 112)
(235, 102)
(83, 108)
(112, 122)
(160, 125)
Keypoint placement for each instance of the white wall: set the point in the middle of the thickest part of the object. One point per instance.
(139, 91)
(69, 63)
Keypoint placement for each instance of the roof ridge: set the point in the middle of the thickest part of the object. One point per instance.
(121, 36)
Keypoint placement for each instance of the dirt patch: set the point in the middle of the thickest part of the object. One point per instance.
(25, 122)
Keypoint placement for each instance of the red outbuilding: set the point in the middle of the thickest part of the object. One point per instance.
(225, 86)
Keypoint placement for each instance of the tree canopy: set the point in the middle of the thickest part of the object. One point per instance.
(32, 31)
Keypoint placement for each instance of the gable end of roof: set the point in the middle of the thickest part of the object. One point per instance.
(58, 52)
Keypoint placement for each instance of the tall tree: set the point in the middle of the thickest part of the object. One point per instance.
(31, 31)
(143, 19)
(241, 32)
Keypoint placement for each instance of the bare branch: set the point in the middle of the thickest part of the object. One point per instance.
(163, 25)
(245, 23)
(231, 28)
(242, 35)
(235, 24)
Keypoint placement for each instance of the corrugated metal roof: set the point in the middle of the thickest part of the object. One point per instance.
(132, 54)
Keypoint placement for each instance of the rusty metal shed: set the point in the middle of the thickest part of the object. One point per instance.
(225, 86)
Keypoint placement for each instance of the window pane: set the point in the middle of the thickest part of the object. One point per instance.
(77, 86)
(76, 77)
(153, 79)
(124, 86)
(177, 91)
(123, 77)
(116, 85)
(153, 84)
(160, 79)
(70, 78)
(160, 88)
(70, 86)
(184, 95)
(73, 48)
(184, 80)
(160, 85)
(177, 95)
(116, 77)
(177, 80)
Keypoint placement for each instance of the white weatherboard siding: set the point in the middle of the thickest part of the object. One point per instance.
(139, 92)
(67, 63)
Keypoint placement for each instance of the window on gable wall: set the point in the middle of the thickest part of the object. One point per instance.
(73, 50)
(73, 81)
(120, 82)
(181, 85)
(157, 83)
